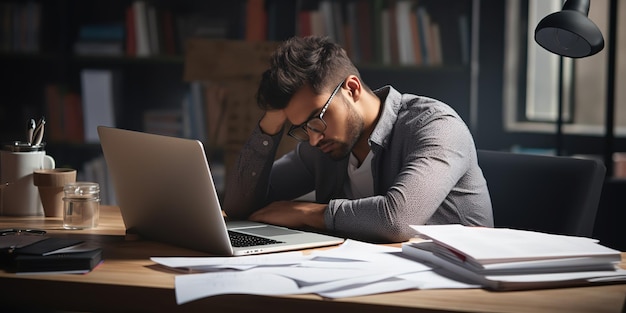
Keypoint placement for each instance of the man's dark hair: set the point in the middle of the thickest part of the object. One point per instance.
(316, 61)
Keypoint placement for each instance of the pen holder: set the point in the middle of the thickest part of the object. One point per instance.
(18, 161)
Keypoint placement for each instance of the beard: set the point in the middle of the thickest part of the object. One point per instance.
(354, 130)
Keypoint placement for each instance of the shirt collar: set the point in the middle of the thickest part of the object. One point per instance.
(391, 102)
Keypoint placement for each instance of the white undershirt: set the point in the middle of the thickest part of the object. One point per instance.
(360, 182)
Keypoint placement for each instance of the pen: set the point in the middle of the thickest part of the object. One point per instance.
(30, 131)
(39, 131)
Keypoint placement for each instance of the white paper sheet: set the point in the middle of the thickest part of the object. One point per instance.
(353, 254)
(196, 286)
(241, 263)
(433, 280)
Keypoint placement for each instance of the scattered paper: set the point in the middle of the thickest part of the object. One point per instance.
(196, 286)
(352, 269)
(240, 263)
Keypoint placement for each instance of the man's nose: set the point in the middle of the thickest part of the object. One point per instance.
(315, 138)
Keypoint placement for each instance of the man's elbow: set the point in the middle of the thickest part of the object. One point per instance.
(395, 232)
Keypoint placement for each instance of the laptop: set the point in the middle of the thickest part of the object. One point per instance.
(165, 191)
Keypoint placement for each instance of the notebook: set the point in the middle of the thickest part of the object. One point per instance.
(165, 191)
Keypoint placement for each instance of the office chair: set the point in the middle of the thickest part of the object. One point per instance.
(550, 194)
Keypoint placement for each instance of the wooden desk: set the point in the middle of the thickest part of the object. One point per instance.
(129, 281)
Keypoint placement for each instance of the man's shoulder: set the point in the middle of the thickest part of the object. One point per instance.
(412, 102)
(424, 108)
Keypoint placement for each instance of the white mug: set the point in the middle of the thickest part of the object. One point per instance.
(18, 195)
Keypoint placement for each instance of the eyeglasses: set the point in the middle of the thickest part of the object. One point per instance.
(315, 124)
(21, 232)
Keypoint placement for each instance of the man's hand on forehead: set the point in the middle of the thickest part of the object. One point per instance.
(273, 121)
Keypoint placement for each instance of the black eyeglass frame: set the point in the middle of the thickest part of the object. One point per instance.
(305, 127)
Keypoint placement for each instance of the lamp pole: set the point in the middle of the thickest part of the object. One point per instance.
(559, 116)
(609, 122)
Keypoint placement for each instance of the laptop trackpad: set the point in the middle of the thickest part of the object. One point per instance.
(267, 231)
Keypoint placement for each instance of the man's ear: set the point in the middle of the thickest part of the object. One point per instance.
(354, 86)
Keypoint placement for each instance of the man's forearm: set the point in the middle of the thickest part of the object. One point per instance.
(248, 178)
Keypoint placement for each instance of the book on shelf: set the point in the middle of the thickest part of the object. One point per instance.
(415, 39)
(464, 39)
(99, 48)
(404, 28)
(95, 170)
(194, 121)
(199, 25)
(425, 34)
(140, 22)
(154, 31)
(105, 39)
(167, 122)
(215, 107)
(510, 259)
(352, 32)
(150, 30)
(130, 40)
(281, 19)
(64, 114)
(168, 33)
(101, 31)
(100, 97)
(385, 39)
(365, 25)
(394, 52)
(256, 20)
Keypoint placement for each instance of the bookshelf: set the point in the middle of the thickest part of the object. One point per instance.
(71, 36)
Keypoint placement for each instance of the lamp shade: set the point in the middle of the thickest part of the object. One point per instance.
(570, 32)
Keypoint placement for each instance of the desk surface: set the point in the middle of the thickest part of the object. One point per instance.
(129, 281)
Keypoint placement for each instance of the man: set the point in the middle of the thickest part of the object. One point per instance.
(378, 161)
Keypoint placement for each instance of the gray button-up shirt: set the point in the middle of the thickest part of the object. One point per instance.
(425, 171)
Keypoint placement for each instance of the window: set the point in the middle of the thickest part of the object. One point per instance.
(531, 78)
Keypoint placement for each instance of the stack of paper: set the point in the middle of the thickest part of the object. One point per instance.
(505, 259)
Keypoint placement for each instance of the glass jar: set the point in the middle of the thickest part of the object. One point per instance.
(81, 205)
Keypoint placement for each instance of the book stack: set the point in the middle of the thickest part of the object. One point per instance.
(510, 259)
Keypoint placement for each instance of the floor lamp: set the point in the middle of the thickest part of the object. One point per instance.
(569, 33)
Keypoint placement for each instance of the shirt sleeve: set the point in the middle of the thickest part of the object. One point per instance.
(435, 155)
(256, 179)
(247, 180)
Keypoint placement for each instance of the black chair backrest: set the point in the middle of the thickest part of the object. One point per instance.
(543, 193)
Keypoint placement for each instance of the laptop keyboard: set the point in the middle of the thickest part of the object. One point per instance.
(246, 240)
